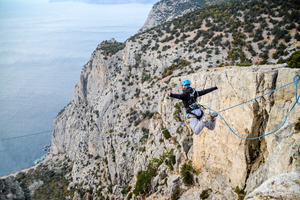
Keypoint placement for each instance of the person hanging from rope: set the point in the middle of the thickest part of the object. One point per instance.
(194, 111)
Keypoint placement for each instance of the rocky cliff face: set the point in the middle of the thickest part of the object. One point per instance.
(107, 154)
(112, 107)
(108, 143)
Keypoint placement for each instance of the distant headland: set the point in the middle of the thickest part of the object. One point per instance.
(108, 1)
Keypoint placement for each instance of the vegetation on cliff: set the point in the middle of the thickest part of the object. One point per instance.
(109, 48)
(237, 32)
(293, 61)
(53, 180)
(249, 31)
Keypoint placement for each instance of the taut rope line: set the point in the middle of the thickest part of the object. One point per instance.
(296, 81)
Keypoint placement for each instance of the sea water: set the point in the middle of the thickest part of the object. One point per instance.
(43, 47)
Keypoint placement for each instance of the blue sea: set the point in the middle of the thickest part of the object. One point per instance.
(43, 47)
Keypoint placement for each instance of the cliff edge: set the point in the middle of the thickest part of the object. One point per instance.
(122, 136)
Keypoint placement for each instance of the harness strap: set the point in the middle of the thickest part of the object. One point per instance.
(190, 115)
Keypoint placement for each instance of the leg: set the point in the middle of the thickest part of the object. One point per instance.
(210, 125)
(196, 126)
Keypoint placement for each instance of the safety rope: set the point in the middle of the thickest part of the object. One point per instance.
(16, 137)
(296, 81)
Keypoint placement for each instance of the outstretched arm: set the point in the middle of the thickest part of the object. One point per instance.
(177, 96)
(203, 92)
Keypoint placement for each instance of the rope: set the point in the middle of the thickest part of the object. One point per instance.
(296, 81)
(16, 137)
(255, 98)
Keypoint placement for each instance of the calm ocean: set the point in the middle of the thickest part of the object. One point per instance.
(43, 47)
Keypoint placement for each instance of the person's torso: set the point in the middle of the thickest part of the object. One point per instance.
(191, 98)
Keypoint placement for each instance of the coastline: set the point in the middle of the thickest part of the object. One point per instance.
(46, 158)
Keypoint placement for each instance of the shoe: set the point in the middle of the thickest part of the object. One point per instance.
(213, 116)
(206, 118)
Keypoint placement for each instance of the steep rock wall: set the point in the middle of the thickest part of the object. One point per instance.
(248, 163)
(102, 107)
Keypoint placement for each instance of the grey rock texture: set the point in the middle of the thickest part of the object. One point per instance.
(110, 134)
(283, 186)
(95, 124)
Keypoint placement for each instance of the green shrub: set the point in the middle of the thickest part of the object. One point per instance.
(55, 183)
(293, 61)
(178, 105)
(129, 196)
(297, 125)
(176, 116)
(137, 122)
(176, 194)
(166, 134)
(186, 173)
(108, 48)
(170, 161)
(142, 149)
(179, 64)
(144, 138)
(143, 183)
(246, 64)
(241, 193)
(204, 194)
(147, 114)
(126, 189)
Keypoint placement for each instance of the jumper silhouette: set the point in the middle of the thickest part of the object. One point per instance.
(189, 97)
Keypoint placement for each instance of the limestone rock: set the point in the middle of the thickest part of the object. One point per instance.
(283, 186)
(186, 143)
(10, 189)
(224, 160)
(112, 128)
(174, 182)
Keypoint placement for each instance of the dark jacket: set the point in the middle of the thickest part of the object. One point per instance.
(185, 96)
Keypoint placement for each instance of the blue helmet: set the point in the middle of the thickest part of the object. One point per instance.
(185, 82)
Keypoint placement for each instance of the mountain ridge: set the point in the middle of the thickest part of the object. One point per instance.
(107, 1)
(167, 10)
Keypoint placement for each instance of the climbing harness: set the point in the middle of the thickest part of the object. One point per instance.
(192, 102)
(190, 115)
(193, 99)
